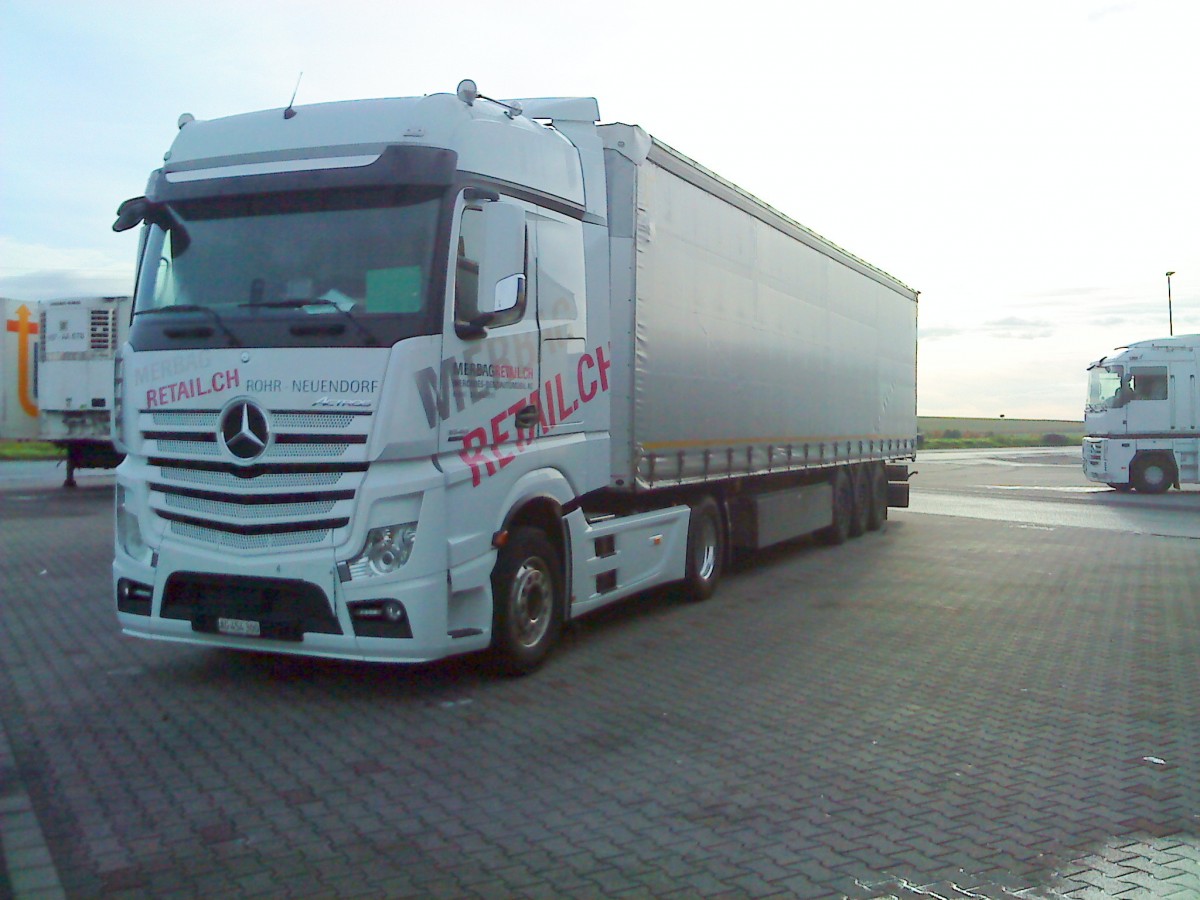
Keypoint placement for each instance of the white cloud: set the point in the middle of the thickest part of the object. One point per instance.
(41, 272)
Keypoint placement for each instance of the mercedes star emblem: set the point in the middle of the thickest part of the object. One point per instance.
(244, 429)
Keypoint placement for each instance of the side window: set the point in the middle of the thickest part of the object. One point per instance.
(561, 279)
(472, 300)
(466, 272)
(1148, 382)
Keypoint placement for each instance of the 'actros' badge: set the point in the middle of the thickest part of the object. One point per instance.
(244, 429)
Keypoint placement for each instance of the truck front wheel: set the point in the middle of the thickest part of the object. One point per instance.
(526, 613)
(705, 550)
(1152, 474)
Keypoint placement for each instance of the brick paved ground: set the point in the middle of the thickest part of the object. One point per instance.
(954, 708)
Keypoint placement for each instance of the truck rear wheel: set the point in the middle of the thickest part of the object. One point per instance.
(1152, 474)
(877, 479)
(843, 509)
(526, 613)
(862, 500)
(705, 550)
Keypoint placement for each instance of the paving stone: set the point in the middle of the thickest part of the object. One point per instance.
(927, 706)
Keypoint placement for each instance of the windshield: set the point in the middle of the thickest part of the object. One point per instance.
(1104, 388)
(367, 253)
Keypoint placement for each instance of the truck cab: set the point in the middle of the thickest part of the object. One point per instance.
(1141, 416)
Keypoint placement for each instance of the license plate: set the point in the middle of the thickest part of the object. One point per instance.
(244, 627)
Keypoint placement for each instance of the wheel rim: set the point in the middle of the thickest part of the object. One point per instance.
(1155, 475)
(706, 550)
(532, 602)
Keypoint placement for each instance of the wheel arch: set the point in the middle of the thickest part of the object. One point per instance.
(538, 500)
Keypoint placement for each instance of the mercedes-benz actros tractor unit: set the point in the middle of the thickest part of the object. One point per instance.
(415, 377)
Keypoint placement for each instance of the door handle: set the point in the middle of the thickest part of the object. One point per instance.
(527, 417)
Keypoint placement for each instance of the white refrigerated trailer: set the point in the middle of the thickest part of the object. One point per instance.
(416, 377)
(1142, 418)
(58, 358)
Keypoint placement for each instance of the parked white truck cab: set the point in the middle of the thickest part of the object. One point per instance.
(1142, 419)
(416, 377)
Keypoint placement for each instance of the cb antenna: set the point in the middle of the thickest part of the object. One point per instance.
(290, 112)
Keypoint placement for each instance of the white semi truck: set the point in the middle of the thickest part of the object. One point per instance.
(57, 360)
(416, 377)
(1142, 419)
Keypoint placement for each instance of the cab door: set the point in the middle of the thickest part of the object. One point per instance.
(562, 316)
(1149, 409)
(490, 348)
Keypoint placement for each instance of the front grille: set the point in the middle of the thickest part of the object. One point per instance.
(298, 492)
(249, 541)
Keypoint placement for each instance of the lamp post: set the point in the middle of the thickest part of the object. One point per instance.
(1170, 316)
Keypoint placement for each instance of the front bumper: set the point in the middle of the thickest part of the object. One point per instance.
(191, 600)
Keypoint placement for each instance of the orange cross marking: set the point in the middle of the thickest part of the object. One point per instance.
(23, 328)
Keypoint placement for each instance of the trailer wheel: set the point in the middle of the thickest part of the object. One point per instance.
(862, 500)
(705, 551)
(843, 509)
(1152, 474)
(879, 491)
(526, 613)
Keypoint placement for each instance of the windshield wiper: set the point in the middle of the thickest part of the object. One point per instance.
(318, 301)
(192, 307)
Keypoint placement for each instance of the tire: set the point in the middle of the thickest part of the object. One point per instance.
(1121, 488)
(877, 479)
(862, 500)
(526, 607)
(705, 551)
(1152, 474)
(843, 509)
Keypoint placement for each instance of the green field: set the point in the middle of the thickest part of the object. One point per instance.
(948, 432)
(29, 450)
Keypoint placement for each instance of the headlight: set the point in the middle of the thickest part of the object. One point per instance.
(129, 530)
(385, 551)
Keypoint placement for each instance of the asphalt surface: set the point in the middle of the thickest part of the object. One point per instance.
(973, 703)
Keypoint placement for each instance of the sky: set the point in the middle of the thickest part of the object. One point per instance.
(1030, 166)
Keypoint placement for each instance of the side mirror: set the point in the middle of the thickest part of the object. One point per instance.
(131, 213)
(503, 255)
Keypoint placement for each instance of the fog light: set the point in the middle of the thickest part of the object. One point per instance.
(129, 529)
(384, 617)
(134, 597)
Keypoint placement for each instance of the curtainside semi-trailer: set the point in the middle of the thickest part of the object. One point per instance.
(415, 377)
